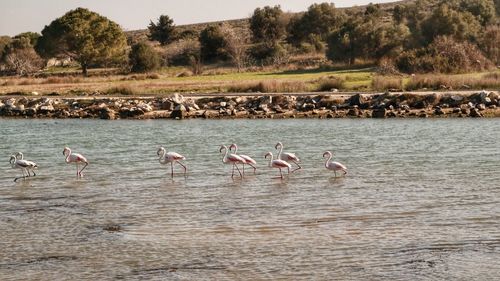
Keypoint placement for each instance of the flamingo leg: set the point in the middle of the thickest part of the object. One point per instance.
(172, 169)
(299, 167)
(243, 165)
(77, 174)
(238, 170)
(232, 174)
(80, 173)
(254, 168)
(183, 166)
(281, 174)
(335, 172)
(24, 177)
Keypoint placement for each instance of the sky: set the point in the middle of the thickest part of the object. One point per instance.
(17, 16)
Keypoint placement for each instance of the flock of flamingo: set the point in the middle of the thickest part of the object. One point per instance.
(284, 160)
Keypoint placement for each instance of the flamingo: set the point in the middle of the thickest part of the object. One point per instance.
(230, 158)
(170, 157)
(287, 156)
(75, 158)
(19, 164)
(248, 160)
(31, 165)
(278, 163)
(332, 165)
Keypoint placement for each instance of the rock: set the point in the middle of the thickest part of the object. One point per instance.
(456, 110)
(223, 104)
(145, 107)
(179, 112)
(358, 100)
(438, 111)
(474, 112)
(107, 114)
(379, 113)
(46, 108)
(481, 106)
(423, 115)
(465, 110)
(391, 114)
(166, 104)
(354, 112)
(34, 93)
(177, 99)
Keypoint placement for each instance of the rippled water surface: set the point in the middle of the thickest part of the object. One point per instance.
(421, 202)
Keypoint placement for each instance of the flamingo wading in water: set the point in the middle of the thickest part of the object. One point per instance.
(332, 165)
(31, 165)
(248, 160)
(230, 158)
(287, 156)
(75, 158)
(21, 164)
(170, 157)
(278, 163)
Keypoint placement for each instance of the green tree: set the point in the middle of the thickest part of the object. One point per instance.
(31, 36)
(86, 37)
(212, 44)
(497, 7)
(267, 25)
(446, 21)
(489, 43)
(143, 58)
(4, 42)
(164, 31)
(320, 20)
(483, 10)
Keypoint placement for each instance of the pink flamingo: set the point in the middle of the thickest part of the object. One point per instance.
(334, 166)
(278, 163)
(248, 160)
(170, 157)
(230, 158)
(75, 158)
(31, 166)
(23, 165)
(287, 156)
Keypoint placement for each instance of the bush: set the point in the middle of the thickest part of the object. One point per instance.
(444, 55)
(143, 58)
(384, 83)
(266, 54)
(121, 90)
(181, 52)
(271, 86)
(330, 83)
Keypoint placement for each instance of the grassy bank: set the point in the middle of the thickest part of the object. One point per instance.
(171, 80)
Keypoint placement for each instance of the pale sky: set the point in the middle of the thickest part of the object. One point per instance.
(18, 16)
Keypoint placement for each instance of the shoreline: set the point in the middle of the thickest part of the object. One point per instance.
(257, 106)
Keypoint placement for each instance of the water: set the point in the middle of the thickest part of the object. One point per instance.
(421, 202)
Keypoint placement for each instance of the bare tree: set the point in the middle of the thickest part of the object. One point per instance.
(236, 45)
(23, 61)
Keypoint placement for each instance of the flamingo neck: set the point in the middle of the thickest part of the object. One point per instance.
(330, 156)
(279, 151)
(224, 159)
(68, 153)
(270, 160)
(162, 155)
(20, 155)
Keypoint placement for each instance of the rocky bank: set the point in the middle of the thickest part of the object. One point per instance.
(176, 106)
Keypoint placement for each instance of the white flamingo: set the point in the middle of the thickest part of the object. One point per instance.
(31, 165)
(170, 157)
(230, 158)
(287, 156)
(19, 164)
(278, 163)
(248, 160)
(332, 165)
(75, 158)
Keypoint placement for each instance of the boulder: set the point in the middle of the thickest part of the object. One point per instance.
(358, 100)
(474, 112)
(179, 112)
(379, 113)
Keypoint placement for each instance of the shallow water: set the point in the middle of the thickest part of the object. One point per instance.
(421, 201)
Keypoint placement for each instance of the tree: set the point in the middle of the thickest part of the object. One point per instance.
(483, 10)
(23, 61)
(445, 20)
(84, 36)
(32, 37)
(164, 31)
(143, 58)
(320, 20)
(212, 43)
(489, 43)
(267, 25)
(497, 7)
(236, 45)
(4, 43)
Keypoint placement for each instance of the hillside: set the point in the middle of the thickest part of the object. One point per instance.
(243, 24)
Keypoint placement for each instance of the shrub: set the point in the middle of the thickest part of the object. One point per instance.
(383, 83)
(121, 90)
(143, 58)
(271, 86)
(330, 83)
(444, 55)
